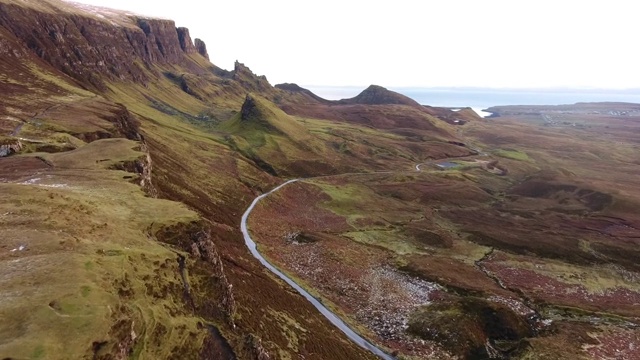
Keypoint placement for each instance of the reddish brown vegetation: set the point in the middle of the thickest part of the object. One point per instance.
(307, 218)
(454, 274)
(616, 344)
(15, 169)
(545, 289)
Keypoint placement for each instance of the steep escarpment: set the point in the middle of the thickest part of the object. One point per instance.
(91, 49)
(81, 245)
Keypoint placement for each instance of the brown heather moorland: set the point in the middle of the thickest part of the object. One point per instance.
(554, 242)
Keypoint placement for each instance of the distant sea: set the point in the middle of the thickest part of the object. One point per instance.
(482, 98)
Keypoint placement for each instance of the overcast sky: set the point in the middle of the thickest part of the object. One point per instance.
(427, 43)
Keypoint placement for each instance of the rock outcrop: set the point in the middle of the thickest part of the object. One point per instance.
(250, 81)
(201, 47)
(249, 109)
(256, 349)
(204, 249)
(196, 239)
(469, 327)
(9, 147)
(126, 123)
(185, 41)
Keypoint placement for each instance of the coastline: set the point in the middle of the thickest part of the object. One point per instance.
(483, 98)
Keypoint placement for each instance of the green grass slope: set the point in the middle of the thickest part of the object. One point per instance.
(88, 277)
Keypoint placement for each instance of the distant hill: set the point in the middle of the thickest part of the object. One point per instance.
(378, 95)
(296, 89)
(615, 108)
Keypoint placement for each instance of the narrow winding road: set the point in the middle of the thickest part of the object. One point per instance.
(333, 318)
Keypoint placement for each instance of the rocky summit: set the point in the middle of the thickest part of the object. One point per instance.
(156, 206)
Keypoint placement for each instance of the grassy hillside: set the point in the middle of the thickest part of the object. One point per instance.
(84, 273)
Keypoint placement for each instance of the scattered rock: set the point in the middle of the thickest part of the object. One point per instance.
(258, 352)
(393, 296)
(10, 146)
(19, 248)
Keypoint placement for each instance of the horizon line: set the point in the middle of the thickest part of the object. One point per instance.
(550, 88)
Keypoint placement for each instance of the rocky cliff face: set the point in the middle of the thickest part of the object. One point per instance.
(185, 40)
(90, 49)
(202, 48)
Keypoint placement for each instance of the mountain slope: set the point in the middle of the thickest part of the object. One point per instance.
(303, 95)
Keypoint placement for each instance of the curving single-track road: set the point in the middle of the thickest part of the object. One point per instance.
(333, 318)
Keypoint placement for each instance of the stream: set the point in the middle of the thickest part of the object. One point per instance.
(333, 318)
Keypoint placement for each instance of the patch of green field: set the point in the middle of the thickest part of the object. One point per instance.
(392, 240)
(512, 154)
(361, 205)
(101, 154)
